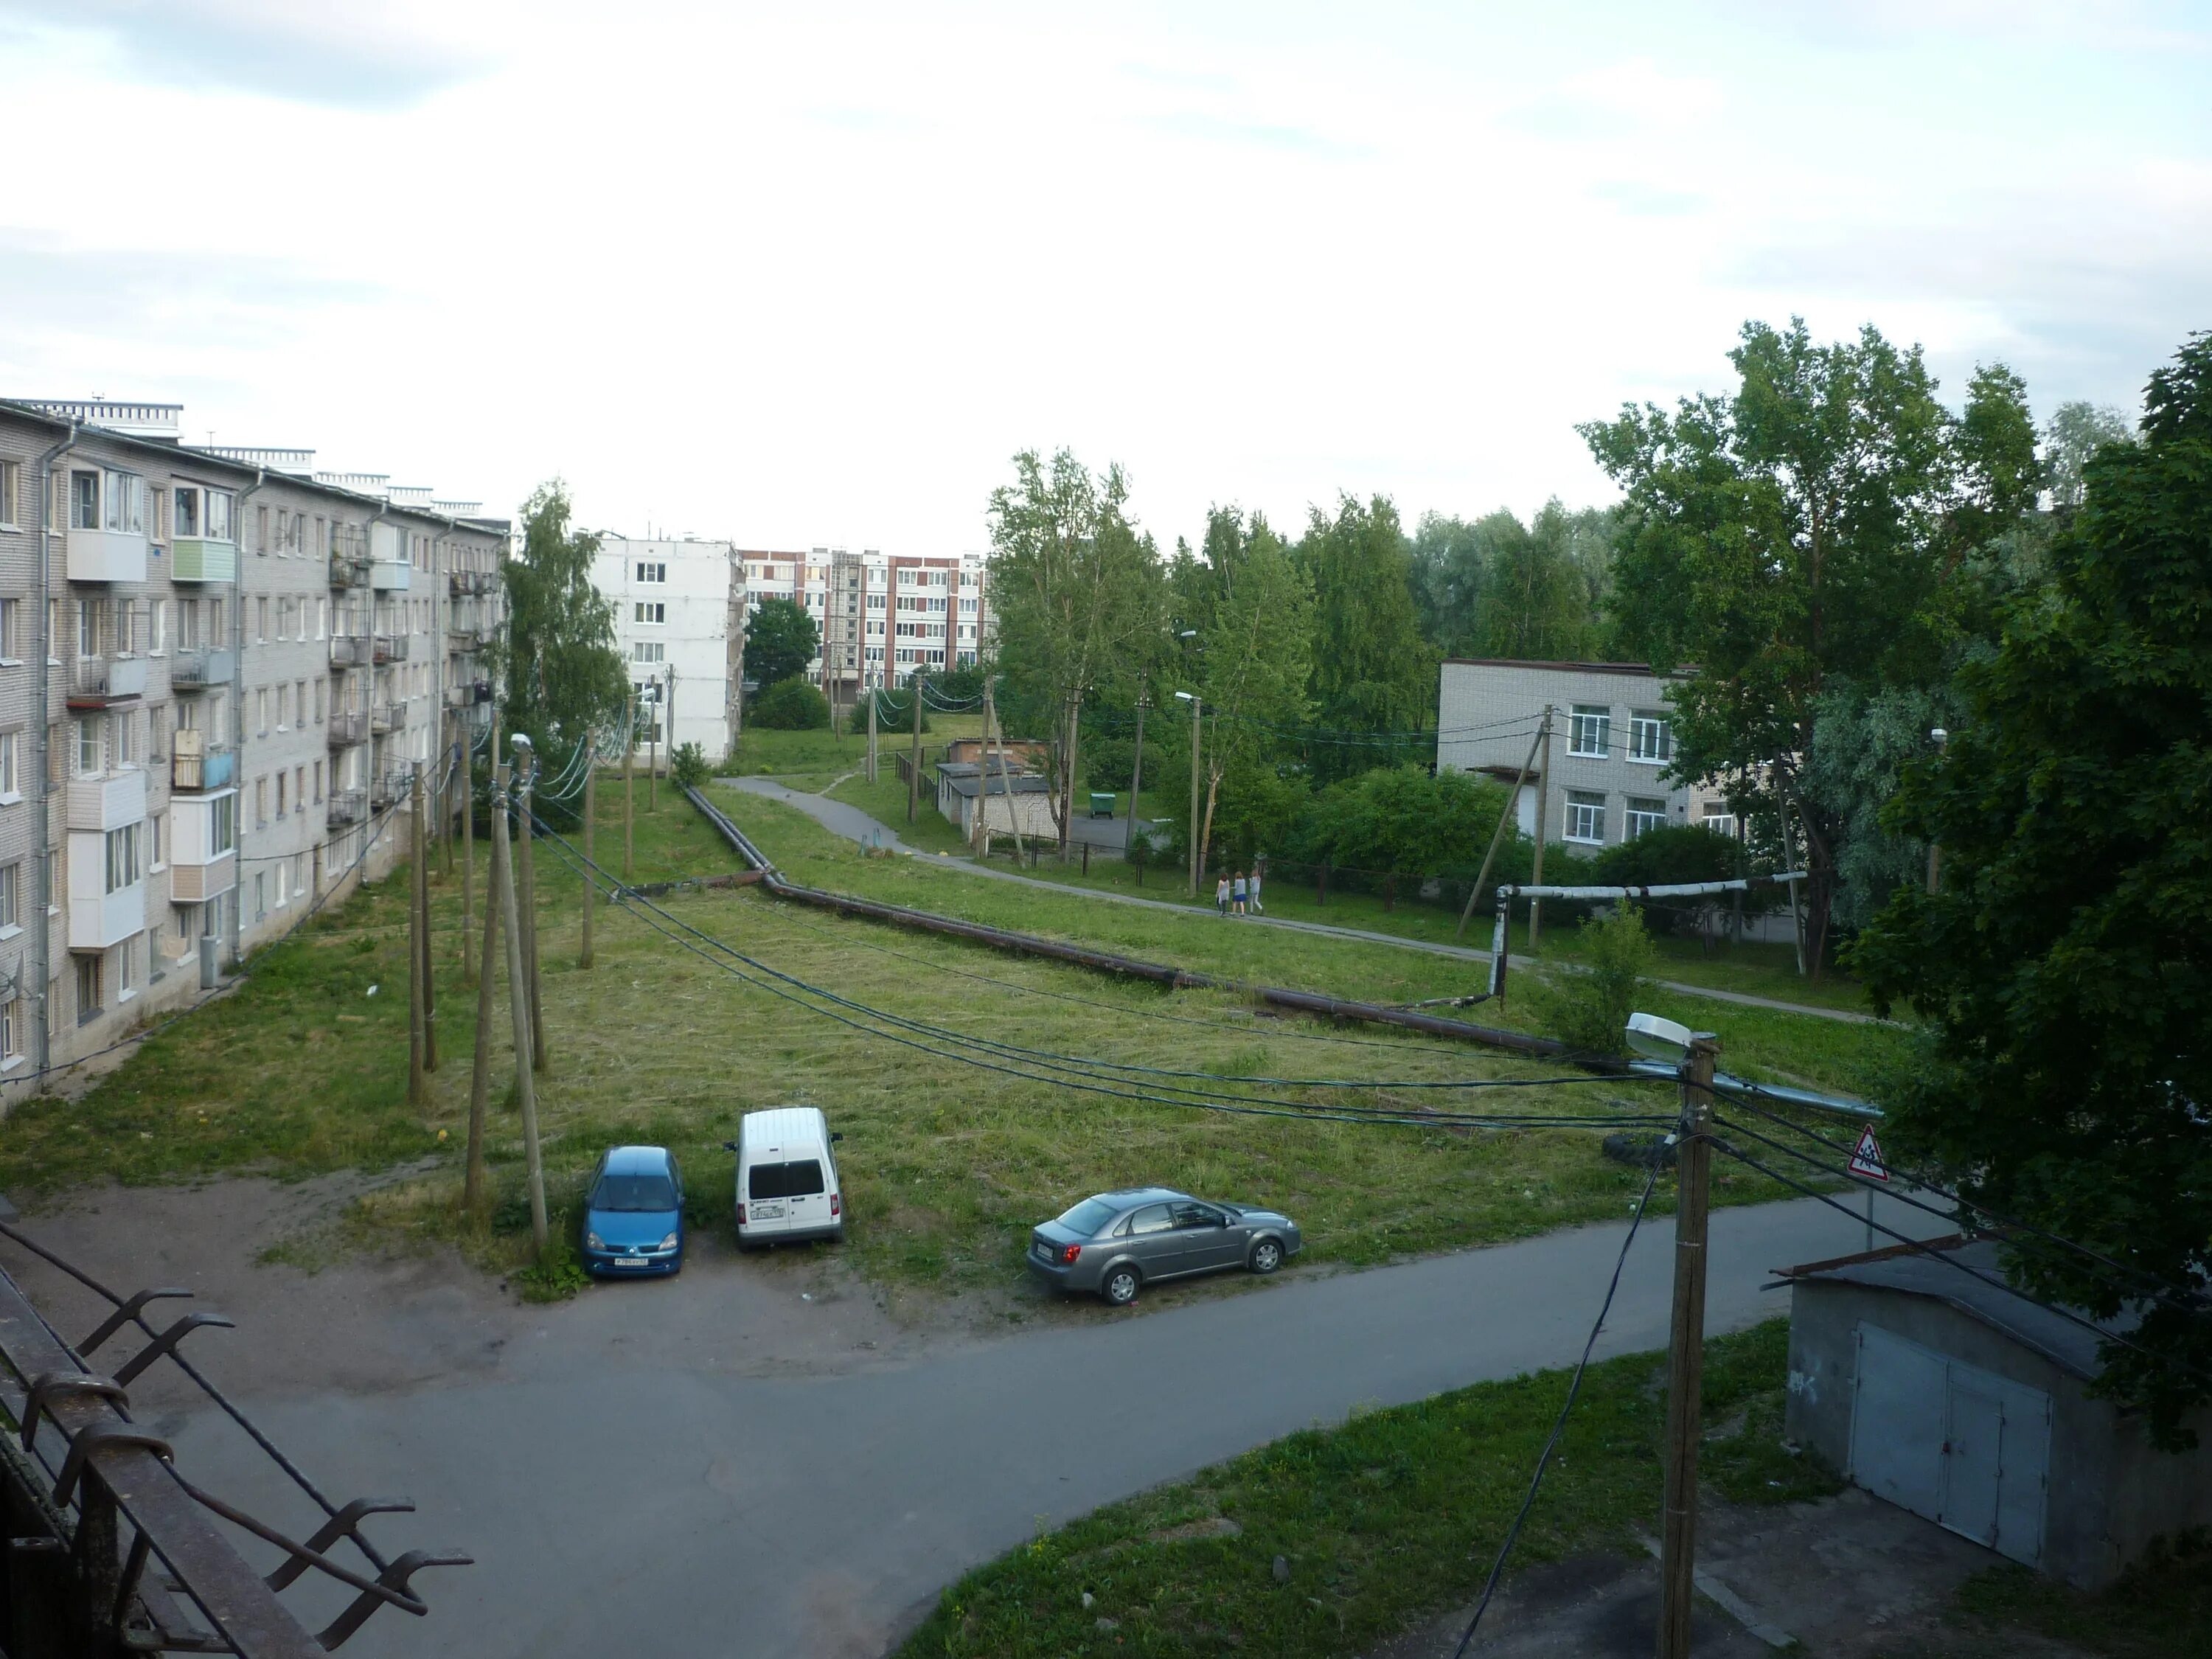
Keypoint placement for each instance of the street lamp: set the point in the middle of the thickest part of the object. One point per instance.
(1196, 710)
(1942, 741)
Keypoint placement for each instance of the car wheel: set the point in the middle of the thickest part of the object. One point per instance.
(1267, 1257)
(1119, 1288)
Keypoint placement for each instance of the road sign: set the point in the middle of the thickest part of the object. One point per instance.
(1868, 1160)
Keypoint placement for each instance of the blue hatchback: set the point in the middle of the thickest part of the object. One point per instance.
(634, 1214)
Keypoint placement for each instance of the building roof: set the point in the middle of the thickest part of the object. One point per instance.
(1908, 1271)
(960, 777)
(1643, 669)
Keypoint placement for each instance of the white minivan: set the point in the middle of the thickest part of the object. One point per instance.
(786, 1182)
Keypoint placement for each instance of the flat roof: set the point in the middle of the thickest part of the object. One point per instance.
(1642, 668)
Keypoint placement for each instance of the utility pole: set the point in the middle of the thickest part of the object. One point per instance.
(425, 824)
(418, 1087)
(1543, 822)
(472, 1180)
(629, 773)
(443, 802)
(979, 827)
(591, 816)
(526, 870)
(653, 748)
(671, 729)
(1678, 1525)
(1006, 781)
(914, 767)
(871, 734)
(517, 1000)
(1935, 847)
(1197, 729)
(1512, 803)
(1136, 778)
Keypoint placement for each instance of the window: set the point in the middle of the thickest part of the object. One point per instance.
(260, 801)
(1590, 730)
(11, 1031)
(84, 501)
(11, 896)
(126, 502)
(11, 491)
(128, 748)
(1585, 815)
(218, 515)
(157, 832)
(260, 895)
(127, 969)
(1153, 1218)
(1644, 815)
(157, 633)
(125, 850)
(88, 746)
(11, 629)
(223, 825)
(89, 978)
(655, 613)
(657, 572)
(298, 785)
(188, 511)
(1719, 819)
(88, 621)
(261, 529)
(261, 711)
(280, 812)
(261, 621)
(1651, 736)
(283, 885)
(648, 651)
(319, 782)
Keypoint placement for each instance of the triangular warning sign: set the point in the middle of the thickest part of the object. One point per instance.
(1868, 1160)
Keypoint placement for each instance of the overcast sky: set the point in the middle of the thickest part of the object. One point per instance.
(810, 275)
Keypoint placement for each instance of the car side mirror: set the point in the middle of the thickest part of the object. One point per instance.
(834, 1136)
(729, 1145)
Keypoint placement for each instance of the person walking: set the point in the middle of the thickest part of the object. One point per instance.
(1255, 891)
(1237, 893)
(1221, 895)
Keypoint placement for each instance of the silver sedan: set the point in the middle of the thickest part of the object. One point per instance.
(1117, 1243)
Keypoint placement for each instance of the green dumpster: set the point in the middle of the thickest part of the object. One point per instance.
(1101, 804)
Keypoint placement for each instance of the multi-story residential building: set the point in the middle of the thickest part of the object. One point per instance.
(883, 617)
(179, 770)
(679, 624)
(1613, 738)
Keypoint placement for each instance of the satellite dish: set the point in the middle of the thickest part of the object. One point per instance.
(1659, 1039)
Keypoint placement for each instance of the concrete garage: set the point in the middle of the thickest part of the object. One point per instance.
(1963, 1403)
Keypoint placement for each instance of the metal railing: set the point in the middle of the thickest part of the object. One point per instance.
(389, 789)
(347, 726)
(347, 806)
(391, 648)
(387, 717)
(349, 650)
(347, 570)
(93, 1498)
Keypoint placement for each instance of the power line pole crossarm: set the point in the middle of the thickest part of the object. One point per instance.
(1677, 1526)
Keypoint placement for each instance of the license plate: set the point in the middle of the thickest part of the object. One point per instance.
(629, 1261)
(1041, 1252)
(768, 1212)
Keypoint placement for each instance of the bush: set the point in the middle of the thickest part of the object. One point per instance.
(689, 767)
(894, 713)
(1589, 1010)
(792, 705)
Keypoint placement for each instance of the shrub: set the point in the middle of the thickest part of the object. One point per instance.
(1588, 1009)
(792, 705)
(689, 766)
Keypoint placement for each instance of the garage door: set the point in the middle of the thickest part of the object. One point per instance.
(1952, 1442)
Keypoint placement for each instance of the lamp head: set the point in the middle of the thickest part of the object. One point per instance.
(1187, 634)
(1659, 1039)
(1941, 736)
(521, 741)
(1185, 696)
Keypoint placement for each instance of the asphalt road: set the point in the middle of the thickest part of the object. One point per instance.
(625, 1493)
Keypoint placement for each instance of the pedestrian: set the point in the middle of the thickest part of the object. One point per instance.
(1255, 891)
(1221, 896)
(1238, 892)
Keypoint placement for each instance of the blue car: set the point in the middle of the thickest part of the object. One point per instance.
(634, 1214)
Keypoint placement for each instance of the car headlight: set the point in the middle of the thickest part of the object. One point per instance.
(669, 1242)
(594, 1241)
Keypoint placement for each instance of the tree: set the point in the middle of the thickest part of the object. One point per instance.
(2071, 439)
(1538, 602)
(563, 675)
(792, 705)
(781, 640)
(1078, 591)
(1807, 526)
(2064, 969)
(1449, 555)
(1372, 671)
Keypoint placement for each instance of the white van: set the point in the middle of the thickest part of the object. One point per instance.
(787, 1183)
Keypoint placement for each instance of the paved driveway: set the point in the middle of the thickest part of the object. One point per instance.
(734, 1463)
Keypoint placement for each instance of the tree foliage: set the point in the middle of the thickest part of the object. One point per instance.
(792, 705)
(2071, 438)
(1814, 524)
(562, 676)
(1372, 670)
(781, 640)
(1589, 1010)
(2065, 967)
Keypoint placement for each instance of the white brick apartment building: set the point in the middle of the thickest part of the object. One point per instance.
(1611, 739)
(882, 616)
(184, 768)
(679, 608)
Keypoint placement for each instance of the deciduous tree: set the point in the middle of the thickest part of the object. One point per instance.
(781, 640)
(563, 675)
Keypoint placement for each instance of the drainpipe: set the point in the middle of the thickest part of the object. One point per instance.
(237, 704)
(42, 931)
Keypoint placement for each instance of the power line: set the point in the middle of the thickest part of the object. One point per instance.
(1558, 1425)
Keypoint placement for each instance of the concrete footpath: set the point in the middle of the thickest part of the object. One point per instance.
(842, 818)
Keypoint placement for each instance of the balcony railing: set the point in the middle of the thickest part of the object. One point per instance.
(391, 648)
(387, 717)
(471, 581)
(464, 638)
(196, 670)
(347, 806)
(389, 789)
(347, 726)
(200, 771)
(99, 681)
(202, 559)
(349, 650)
(348, 571)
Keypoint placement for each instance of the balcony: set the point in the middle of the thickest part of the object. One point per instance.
(349, 650)
(347, 806)
(101, 682)
(464, 638)
(193, 774)
(196, 671)
(106, 556)
(202, 559)
(194, 884)
(387, 717)
(460, 582)
(390, 575)
(390, 648)
(389, 789)
(347, 726)
(348, 571)
(106, 802)
(96, 921)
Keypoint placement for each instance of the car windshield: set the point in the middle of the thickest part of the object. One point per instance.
(634, 1192)
(1088, 1217)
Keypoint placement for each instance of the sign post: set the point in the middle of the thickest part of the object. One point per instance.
(1866, 1163)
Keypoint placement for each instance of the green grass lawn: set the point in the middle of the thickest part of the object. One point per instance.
(825, 754)
(1394, 1517)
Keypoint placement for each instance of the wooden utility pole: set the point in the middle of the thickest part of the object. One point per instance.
(871, 734)
(1005, 782)
(1678, 1521)
(1197, 731)
(1136, 779)
(425, 821)
(591, 889)
(1512, 805)
(1543, 823)
(418, 1087)
(914, 765)
(669, 730)
(629, 779)
(517, 1000)
(472, 1181)
(442, 803)
(653, 750)
(526, 870)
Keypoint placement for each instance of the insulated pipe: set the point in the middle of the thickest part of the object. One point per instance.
(42, 944)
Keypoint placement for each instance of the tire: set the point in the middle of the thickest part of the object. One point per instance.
(1267, 1257)
(1119, 1288)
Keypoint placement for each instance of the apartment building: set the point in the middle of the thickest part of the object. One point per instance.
(679, 608)
(176, 774)
(883, 617)
(1612, 739)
